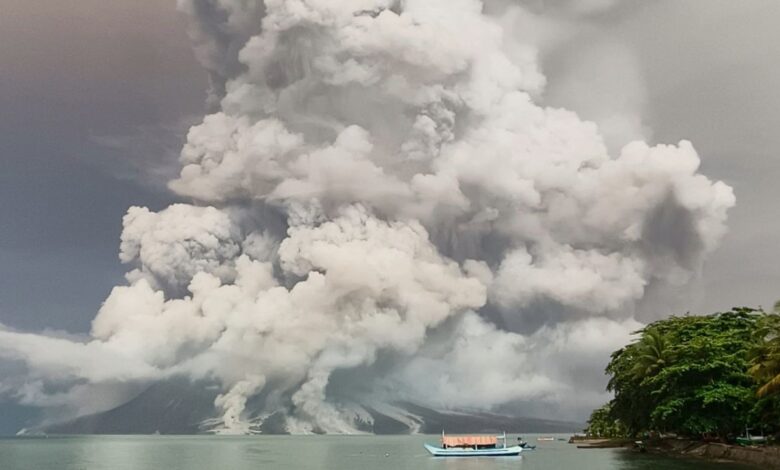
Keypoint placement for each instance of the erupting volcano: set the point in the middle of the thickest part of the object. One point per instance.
(380, 209)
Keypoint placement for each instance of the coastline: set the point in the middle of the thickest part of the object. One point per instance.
(760, 457)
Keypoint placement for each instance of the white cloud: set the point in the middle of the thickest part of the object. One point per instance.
(419, 184)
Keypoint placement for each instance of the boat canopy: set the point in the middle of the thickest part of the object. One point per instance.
(459, 441)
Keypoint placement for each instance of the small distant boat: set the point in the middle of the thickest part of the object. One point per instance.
(748, 440)
(751, 440)
(525, 445)
(545, 438)
(473, 446)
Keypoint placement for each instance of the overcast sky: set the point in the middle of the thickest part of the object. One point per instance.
(95, 96)
(712, 78)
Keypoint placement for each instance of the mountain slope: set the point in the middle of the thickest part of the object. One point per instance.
(179, 407)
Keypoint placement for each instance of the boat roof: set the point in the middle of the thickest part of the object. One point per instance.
(455, 441)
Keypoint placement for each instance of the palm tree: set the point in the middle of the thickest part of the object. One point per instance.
(652, 354)
(765, 361)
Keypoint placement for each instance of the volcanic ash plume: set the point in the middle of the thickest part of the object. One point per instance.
(382, 211)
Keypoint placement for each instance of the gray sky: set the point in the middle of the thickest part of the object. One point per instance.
(712, 78)
(94, 95)
(76, 77)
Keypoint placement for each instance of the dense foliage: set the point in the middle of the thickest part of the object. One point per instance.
(765, 363)
(696, 375)
(765, 367)
(603, 424)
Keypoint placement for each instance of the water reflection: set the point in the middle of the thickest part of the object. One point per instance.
(306, 453)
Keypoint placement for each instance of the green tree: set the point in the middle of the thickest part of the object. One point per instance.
(652, 354)
(603, 424)
(686, 375)
(765, 355)
(765, 369)
(630, 394)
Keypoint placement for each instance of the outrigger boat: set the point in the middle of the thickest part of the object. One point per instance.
(473, 446)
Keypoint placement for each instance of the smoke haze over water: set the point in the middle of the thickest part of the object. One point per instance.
(382, 208)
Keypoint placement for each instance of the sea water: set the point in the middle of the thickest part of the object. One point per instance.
(308, 452)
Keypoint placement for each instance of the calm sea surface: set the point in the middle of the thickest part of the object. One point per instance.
(304, 452)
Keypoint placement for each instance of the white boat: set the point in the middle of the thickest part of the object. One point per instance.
(473, 446)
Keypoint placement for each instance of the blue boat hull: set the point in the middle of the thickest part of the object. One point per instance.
(458, 452)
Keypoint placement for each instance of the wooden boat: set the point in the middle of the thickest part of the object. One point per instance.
(473, 446)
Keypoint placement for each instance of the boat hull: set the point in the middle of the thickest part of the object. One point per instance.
(458, 452)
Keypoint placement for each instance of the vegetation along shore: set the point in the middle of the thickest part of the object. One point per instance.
(706, 386)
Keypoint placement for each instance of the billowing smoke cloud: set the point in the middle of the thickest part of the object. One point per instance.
(382, 210)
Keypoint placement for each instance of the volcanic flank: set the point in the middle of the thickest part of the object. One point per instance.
(380, 210)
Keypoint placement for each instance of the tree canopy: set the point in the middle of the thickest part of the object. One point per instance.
(696, 375)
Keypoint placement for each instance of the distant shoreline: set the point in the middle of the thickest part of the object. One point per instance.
(760, 457)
